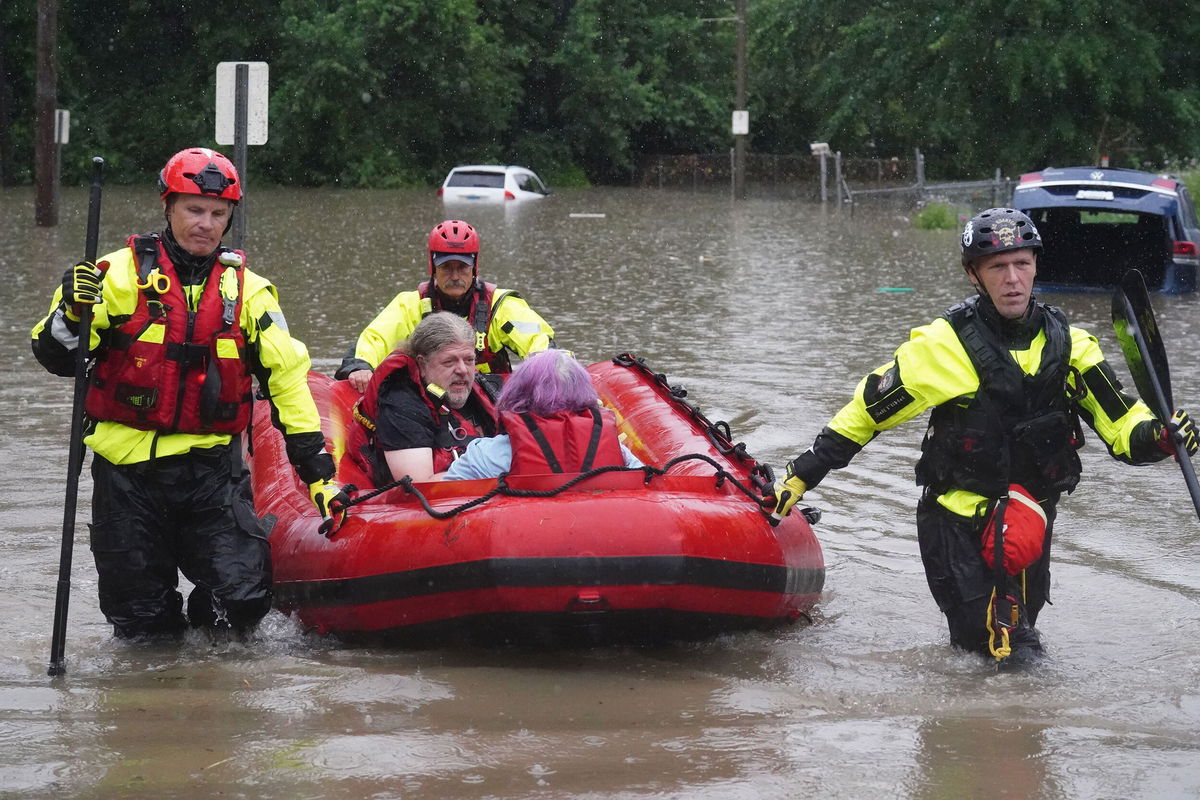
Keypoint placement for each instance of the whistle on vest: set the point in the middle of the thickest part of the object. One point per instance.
(438, 395)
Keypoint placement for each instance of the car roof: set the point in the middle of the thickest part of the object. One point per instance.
(488, 168)
(1097, 188)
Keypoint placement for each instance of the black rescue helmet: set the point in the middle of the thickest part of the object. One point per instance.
(997, 230)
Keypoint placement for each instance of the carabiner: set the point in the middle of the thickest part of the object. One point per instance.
(156, 281)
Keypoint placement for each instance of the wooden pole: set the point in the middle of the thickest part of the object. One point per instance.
(45, 105)
(739, 102)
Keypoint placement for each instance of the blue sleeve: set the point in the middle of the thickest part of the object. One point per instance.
(484, 458)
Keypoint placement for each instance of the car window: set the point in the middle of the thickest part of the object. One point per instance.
(477, 180)
(1187, 208)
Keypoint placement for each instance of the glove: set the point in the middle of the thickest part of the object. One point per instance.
(330, 500)
(787, 493)
(1181, 429)
(81, 286)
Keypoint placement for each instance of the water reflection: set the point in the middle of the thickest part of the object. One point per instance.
(768, 312)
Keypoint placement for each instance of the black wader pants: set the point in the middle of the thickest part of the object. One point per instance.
(181, 513)
(961, 582)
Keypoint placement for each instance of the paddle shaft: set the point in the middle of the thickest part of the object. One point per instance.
(1151, 375)
(62, 596)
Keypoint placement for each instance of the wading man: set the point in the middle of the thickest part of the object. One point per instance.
(1008, 380)
(180, 327)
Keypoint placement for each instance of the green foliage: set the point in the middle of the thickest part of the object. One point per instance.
(395, 92)
(1191, 179)
(993, 83)
(935, 216)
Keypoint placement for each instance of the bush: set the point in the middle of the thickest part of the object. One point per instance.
(935, 216)
(1192, 181)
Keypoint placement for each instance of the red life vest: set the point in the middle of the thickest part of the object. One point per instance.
(454, 430)
(563, 442)
(480, 317)
(169, 369)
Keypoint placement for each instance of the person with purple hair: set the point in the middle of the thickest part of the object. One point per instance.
(552, 422)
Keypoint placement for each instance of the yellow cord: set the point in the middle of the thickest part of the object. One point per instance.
(1004, 650)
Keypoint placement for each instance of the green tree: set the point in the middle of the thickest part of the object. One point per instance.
(389, 92)
(989, 83)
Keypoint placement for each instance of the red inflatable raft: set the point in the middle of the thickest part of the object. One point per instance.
(680, 550)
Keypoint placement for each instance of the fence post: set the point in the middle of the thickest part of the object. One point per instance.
(996, 189)
(837, 175)
(920, 159)
(824, 179)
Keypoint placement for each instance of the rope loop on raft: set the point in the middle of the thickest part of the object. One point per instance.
(718, 433)
(502, 487)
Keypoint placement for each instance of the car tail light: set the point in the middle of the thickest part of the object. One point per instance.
(1185, 249)
(1165, 183)
(509, 195)
(1030, 177)
(441, 191)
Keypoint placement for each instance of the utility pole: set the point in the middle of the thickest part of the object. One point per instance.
(739, 102)
(45, 150)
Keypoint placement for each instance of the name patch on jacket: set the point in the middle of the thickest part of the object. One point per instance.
(885, 394)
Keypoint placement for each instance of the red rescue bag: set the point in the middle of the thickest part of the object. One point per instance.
(1024, 531)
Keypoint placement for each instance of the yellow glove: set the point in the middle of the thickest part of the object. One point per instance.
(1180, 429)
(330, 500)
(787, 493)
(81, 286)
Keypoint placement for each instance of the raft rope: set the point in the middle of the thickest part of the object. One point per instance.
(717, 433)
(761, 476)
(503, 488)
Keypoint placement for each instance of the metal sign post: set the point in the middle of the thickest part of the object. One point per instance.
(242, 97)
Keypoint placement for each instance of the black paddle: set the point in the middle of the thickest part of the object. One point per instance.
(75, 458)
(1141, 342)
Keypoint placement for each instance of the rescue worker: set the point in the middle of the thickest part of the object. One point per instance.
(503, 322)
(423, 405)
(180, 326)
(1008, 379)
(552, 422)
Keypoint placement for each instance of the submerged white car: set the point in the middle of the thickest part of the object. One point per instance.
(491, 183)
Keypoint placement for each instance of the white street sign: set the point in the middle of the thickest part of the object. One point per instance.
(741, 123)
(256, 101)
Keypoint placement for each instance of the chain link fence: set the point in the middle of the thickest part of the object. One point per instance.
(846, 180)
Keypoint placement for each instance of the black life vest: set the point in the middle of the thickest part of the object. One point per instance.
(454, 430)
(562, 442)
(170, 369)
(1017, 428)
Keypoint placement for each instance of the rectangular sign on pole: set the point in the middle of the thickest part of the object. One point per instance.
(62, 126)
(741, 123)
(256, 111)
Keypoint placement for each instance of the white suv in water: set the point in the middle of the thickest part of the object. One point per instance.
(491, 183)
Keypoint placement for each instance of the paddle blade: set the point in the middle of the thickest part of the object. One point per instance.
(1141, 343)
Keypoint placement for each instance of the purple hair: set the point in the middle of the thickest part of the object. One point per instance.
(546, 382)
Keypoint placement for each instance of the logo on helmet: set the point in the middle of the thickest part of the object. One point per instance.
(1006, 233)
(968, 235)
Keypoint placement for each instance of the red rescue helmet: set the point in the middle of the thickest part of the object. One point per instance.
(198, 170)
(453, 240)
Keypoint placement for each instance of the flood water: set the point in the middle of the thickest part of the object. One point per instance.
(769, 313)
